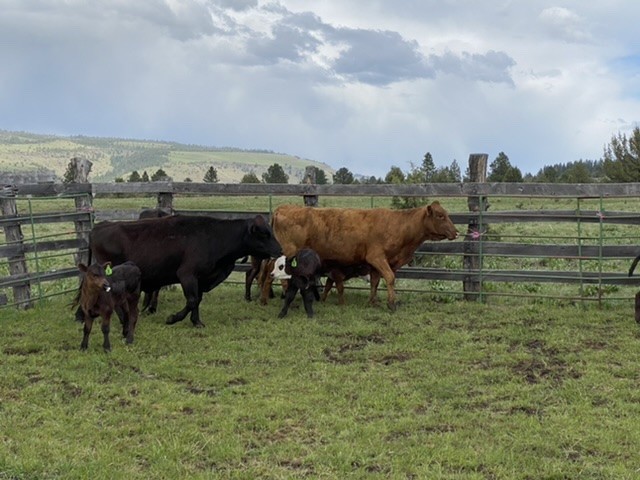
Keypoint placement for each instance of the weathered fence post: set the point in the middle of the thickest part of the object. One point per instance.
(310, 179)
(84, 203)
(471, 260)
(13, 235)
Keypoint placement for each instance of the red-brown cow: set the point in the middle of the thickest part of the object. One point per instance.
(383, 238)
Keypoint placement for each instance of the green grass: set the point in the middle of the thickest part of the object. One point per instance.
(440, 391)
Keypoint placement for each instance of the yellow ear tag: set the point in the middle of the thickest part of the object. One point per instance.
(108, 270)
(294, 262)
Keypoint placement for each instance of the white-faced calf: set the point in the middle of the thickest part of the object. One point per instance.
(301, 270)
(105, 289)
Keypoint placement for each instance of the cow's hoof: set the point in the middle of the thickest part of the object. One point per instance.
(392, 306)
(198, 325)
(171, 320)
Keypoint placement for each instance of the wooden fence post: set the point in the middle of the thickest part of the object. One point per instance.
(310, 179)
(84, 203)
(13, 235)
(471, 260)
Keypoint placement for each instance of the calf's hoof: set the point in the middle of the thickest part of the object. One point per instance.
(198, 325)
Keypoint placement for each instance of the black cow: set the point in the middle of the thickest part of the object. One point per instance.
(196, 251)
(301, 271)
(150, 300)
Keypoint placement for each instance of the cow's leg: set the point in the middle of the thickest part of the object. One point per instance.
(266, 291)
(340, 289)
(289, 295)
(314, 289)
(79, 315)
(327, 288)
(123, 315)
(374, 282)
(88, 323)
(146, 301)
(250, 276)
(153, 303)
(307, 299)
(189, 285)
(382, 266)
(106, 327)
(150, 301)
(195, 313)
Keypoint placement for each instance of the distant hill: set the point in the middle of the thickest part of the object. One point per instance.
(45, 157)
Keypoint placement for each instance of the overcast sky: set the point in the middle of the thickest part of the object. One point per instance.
(362, 84)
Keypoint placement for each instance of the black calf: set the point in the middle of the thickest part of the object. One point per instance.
(301, 270)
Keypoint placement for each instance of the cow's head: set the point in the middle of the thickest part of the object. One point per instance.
(260, 239)
(95, 276)
(438, 224)
(279, 271)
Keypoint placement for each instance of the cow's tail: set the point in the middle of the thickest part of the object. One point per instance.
(633, 265)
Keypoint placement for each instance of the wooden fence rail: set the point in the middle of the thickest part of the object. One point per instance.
(16, 248)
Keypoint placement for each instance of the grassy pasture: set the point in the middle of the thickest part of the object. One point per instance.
(441, 389)
(434, 390)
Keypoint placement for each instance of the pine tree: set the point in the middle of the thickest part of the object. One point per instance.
(160, 176)
(134, 177)
(250, 177)
(501, 170)
(343, 176)
(211, 176)
(145, 176)
(428, 168)
(275, 174)
(621, 162)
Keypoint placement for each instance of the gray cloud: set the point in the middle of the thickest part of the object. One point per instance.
(379, 57)
(238, 5)
(285, 43)
(491, 67)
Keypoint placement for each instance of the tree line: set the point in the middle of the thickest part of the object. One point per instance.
(620, 163)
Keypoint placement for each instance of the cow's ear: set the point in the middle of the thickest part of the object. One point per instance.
(254, 225)
(257, 223)
(82, 267)
(429, 211)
